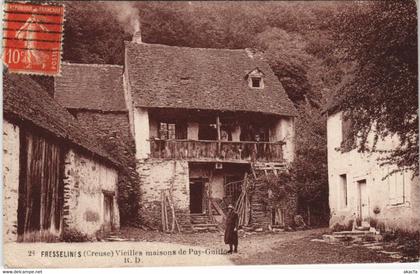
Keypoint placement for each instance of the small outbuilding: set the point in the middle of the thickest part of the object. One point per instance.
(57, 179)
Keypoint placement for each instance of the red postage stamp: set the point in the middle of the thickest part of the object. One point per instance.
(32, 38)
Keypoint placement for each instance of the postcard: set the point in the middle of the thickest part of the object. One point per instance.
(209, 133)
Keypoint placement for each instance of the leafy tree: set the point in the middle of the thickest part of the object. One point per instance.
(92, 34)
(380, 98)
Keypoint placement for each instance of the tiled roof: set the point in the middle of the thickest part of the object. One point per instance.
(195, 78)
(90, 86)
(24, 100)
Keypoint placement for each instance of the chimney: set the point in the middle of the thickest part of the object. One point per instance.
(254, 53)
(137, 37)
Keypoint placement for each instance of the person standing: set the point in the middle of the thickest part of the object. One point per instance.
(231, 231)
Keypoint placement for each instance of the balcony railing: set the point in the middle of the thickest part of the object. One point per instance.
(217, 150)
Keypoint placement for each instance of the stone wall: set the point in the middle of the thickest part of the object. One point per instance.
(84, 184)
(157, 175)
(358, 167)
(112, 129)
(111, 123)
(11, 146)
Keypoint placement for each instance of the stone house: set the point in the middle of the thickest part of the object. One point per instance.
(359, 187)
(201, 119)
(56, 177)
(94, 95)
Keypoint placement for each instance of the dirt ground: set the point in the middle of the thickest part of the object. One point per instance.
(135, 247)
(272, 248)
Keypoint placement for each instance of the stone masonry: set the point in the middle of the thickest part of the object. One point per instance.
(84, 183)
(157, 175)
(10, 180)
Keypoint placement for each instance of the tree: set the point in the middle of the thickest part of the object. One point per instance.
(381, 98)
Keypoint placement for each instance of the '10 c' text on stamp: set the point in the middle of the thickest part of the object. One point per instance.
(32, 36)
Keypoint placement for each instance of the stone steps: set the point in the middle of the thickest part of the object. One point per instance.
(352, 236)
(202, 223)
(354, 233)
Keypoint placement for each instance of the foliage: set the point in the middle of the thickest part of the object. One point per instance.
(73, 236)
(380, 98)
(128, 179)
(411, 245)
(337, 227)
(309, 169)
(283, 194)
(92, 34)
(388, 236)
(373, 222)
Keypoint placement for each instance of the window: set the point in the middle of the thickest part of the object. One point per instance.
(255, 79)
(172, 130)
(396, 183)
(256, 82)
(343, 191)
(166, 131)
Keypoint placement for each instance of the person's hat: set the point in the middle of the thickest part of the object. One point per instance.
(231, 206)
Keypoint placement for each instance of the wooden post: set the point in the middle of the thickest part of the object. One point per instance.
(162, 201)
(209, 204)
(218, 135)
(309, 216)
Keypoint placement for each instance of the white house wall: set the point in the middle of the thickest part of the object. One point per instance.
(142, 132)
(11, 147)
(284, 130)
(357, 167)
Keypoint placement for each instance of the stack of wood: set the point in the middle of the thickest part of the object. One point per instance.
(167, 203)
(243, 207)
(261, 212)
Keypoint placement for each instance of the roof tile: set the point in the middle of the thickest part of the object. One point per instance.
(91, 87)
(26, 100)
(196, 78)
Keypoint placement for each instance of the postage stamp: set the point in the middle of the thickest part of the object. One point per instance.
(32, 38)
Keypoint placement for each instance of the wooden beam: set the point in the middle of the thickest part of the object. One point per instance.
(218, 126)
(219, 145)
(209, 197)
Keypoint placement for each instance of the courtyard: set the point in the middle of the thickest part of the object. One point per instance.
(136, 247)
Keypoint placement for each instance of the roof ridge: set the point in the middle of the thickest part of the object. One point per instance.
(93, 65)
(180, 47)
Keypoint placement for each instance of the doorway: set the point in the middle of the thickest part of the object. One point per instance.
(363, 199)
(196, 196)
(207, 132)
(108, 210)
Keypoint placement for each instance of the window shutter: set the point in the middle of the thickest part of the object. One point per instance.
(392, 189)
(396, 188)
(399, 185)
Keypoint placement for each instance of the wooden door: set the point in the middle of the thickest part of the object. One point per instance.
(40, 186)
(196, 196)
(363, 200)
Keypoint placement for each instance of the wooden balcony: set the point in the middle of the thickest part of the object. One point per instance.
(205, 150)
